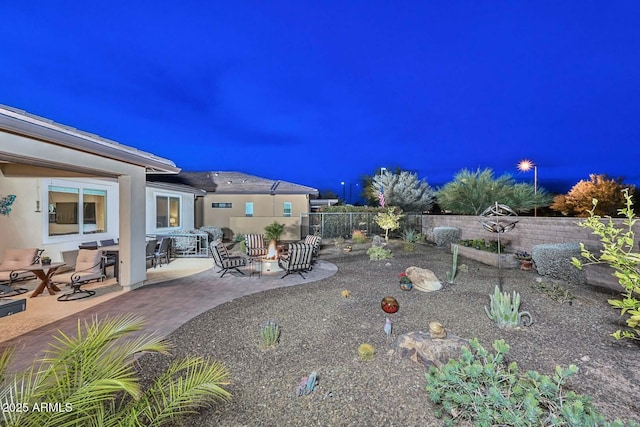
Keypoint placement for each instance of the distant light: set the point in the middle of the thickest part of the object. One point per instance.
(525, 165)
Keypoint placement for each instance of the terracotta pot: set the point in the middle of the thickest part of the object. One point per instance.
(389, 305)
(526, 264)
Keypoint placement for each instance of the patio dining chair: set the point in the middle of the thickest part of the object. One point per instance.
(11, 272)
(254, 244)
(151, 252)
(163, 251)
(89, 267)
(109, 258)
(225, 261)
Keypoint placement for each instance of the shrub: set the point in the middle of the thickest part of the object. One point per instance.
(555, 260)
(617, 251)
(366, 351)
(376, 253)
(444, 236)
(93, 377)
(215, 233)
(481, 389)
(358, 236)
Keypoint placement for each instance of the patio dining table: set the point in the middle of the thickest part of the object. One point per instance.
(44, 273)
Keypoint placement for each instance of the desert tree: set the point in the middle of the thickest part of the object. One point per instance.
(471, 192)
(579, 200)
(403, 189)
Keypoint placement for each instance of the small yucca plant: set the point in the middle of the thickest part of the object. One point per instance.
(270, 333)
(93, 378)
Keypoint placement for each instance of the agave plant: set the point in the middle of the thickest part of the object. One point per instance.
(90, 380)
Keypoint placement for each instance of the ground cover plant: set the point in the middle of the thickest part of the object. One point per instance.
(324, 330)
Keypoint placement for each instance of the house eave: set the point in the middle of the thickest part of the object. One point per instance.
(24, 124)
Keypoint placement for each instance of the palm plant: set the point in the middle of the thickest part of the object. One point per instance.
(91, 381)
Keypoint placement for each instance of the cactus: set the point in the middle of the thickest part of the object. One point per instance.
(504, 310)
(451, 275)
(307, 384)
(366, 351)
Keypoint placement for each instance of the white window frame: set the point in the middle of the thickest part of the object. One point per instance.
(81, 186)
(248, 208)
(284, 209)
(169, 196)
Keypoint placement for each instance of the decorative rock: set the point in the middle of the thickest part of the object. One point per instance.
(423, 279)
(436, 330)
(377, 241)
(421, 348)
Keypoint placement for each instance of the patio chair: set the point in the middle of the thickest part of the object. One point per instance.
(151, 252)
(109, 258)
(163, 251)
(11, 272)
(298, 260)
(314, 241)
(255, 245)
(89, 267)
(225, 261)
(88, 245)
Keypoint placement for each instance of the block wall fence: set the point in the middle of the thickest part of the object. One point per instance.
(531, 231)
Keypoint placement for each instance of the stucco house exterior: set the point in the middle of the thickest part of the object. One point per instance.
(72, 186)
(240, 203)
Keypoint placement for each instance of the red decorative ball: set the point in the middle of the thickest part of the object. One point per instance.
(389, 305)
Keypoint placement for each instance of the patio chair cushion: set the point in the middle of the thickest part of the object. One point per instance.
(314, 241)
(223, 260)
(255, 244)
(15, 259)
(298, 260)
(88, 267)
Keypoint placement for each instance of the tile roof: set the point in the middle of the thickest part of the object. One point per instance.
(225, 182)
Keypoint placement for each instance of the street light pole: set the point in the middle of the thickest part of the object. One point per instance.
(525, 166)
(343, 193)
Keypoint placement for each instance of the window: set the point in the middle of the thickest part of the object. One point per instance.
(286, 209)
(168, 211)
(221, 205)
(65, 215)
(248, 209)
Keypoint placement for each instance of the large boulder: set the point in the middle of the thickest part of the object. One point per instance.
(423, 279)
(421, 348)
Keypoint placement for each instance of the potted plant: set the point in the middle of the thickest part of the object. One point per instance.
(526, 261)
(45, 260)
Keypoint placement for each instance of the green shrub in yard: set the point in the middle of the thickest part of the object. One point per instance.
(358, 236)
(483, 390)
(617, 252)
(376, 253)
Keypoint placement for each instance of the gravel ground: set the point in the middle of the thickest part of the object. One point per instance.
(321, 332)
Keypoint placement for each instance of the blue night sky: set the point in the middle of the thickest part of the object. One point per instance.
(322, 92)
